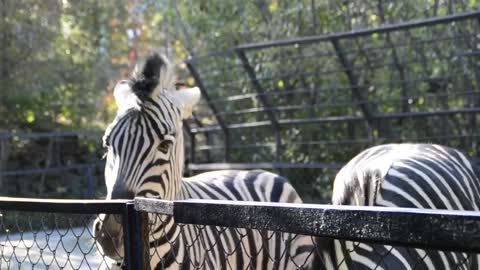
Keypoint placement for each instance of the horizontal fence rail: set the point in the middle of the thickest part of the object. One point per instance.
(261, 165)
(416, 228)
(64, 206)
(56, 134)
(365, 32)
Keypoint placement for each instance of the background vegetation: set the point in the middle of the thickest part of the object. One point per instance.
(60, 59)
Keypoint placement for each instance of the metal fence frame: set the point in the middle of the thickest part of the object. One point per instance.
(415, 228)
(87, 169)
(131, 219)
(240, 53)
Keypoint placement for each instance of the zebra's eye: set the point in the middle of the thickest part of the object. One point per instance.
(164, 146)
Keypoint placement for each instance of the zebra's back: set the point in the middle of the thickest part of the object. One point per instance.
(210, 247)
(414, 176)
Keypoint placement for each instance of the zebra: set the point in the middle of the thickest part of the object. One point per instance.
(410, 175)
(145, 155)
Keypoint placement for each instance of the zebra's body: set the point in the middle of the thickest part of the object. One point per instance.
(145, 158)
(407, 175)
(237, 186)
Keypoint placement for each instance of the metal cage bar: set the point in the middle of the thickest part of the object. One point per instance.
(220, 120)
(263, 100)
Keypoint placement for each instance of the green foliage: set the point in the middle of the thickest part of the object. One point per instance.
(60, 60)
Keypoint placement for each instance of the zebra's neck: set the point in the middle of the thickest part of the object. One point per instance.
(172, 177)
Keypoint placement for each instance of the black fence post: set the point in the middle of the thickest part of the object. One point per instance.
(135, 224)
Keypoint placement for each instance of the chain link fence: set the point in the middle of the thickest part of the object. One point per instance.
(53, 234)
(32, 240)
(60, 234)
(394, 257)
(218, 247)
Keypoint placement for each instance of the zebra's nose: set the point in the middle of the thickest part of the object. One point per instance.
(119, 192)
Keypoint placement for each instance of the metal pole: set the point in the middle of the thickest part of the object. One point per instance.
(135, 238)
(220, 120)
(261, 97)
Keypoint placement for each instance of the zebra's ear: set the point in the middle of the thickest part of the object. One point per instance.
(155, 73)
(185, 100)
(124, 96)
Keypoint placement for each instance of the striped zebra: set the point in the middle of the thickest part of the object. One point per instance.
(406, 175)
(145, 158)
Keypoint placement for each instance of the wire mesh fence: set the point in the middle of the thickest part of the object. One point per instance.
(32, 240)
(357, 255)
(214, 247)
(282, 236)
(54, 234)
(199, 234)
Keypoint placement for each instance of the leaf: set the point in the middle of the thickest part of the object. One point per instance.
(157, 18)
(421, 101)
(30, 116)
(273, 7)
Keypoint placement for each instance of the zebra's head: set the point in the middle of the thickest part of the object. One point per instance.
(144, 143)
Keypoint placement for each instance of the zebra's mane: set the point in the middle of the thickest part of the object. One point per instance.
(152, 80)
(155, 74)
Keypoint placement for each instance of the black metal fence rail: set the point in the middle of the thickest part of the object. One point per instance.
(412, 228)
(56, 134)
(64, 205)
(415, 228)
(364, 32)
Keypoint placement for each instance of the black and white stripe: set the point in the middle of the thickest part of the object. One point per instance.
(235, 246)
(407, 175)
(145, 158)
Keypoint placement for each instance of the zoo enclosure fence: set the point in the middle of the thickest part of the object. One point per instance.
(302, 107)
(305, 105)
(66, 223)
(38, 164)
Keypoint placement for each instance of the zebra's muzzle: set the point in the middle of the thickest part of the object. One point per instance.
(108, 234)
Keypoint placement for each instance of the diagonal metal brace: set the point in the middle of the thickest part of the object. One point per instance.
(263, 100)
(220, 120)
